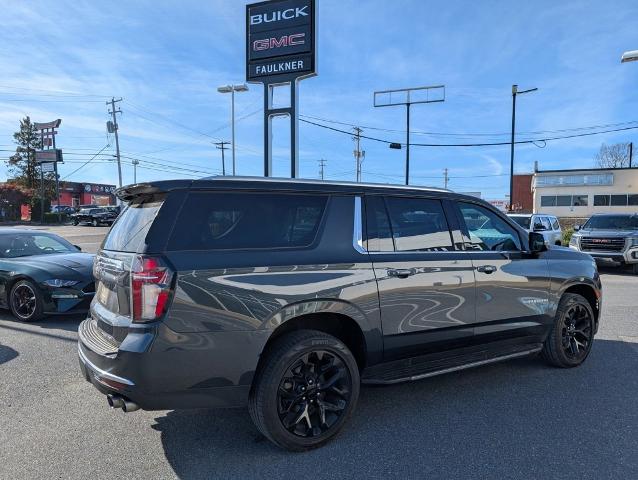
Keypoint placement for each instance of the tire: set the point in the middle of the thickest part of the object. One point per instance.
(94, 222)
(634, 268)
(75, 222)
(281, 395)
(31, 312)
(558, 243)
(572, 336)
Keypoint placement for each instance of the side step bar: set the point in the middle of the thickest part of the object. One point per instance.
(419, 368)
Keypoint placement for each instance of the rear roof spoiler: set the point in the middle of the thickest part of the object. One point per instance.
(129, 192)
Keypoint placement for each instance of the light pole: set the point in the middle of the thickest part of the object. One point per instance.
(232, 89)
(515, 91)
(630, 56)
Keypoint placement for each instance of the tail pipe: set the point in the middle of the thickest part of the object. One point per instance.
(117, 401)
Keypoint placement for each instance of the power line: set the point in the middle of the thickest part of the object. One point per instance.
(485, 144)
(87, 162)
(469, 134)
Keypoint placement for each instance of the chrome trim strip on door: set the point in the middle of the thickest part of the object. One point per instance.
(357, 237)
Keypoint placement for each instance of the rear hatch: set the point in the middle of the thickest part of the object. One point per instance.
(118, 264)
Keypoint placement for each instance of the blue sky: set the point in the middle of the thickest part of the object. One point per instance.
(64, 59)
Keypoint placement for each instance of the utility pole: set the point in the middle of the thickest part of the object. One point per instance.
(113, 113)
(222, 146)
(358, 154)
(445, 177)
(135, 163)
(631, 153)
(515, 92)
(322, 164)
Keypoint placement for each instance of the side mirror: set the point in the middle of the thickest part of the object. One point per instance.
(78, 247)
(536, 243)
(576, 228)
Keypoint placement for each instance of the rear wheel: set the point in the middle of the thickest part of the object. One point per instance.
(305, 390)
(25, 301)
(572, 336)
(94, 222)
(75, 221)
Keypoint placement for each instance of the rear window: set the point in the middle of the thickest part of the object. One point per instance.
(220, 221)
(522, 221)
(128, 233)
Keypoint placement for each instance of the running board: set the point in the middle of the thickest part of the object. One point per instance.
(423, 367)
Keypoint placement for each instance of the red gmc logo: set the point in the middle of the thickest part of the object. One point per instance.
(285, 41)
(599, 240)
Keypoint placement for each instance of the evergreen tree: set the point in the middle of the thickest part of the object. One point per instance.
(23, 168)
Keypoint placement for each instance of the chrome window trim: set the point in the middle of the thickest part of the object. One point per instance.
(357, 237)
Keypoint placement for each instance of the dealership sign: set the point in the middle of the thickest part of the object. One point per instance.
(280, 40)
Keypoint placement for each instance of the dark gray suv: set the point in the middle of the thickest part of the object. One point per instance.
(287, 295)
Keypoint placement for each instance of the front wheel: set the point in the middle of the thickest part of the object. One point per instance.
(25, 301)
(75, 222)
(94, 222)
(305, 390)
(572, 335)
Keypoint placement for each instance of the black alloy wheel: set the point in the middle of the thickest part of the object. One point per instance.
(577, 332)
(25, 301)
(313, 393)
(572, 336)
(305, 389)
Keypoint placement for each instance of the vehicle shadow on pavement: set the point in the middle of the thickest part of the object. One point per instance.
(7, 354)
(68, 323)
(519, 419)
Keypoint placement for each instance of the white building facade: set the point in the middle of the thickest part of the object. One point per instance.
(581, 193)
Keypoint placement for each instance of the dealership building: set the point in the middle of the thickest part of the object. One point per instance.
(578, 193)
(75, 194)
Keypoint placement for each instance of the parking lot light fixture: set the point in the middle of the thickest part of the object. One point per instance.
(630, 56)
(242, 87)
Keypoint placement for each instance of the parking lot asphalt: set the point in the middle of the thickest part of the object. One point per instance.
(519, 419)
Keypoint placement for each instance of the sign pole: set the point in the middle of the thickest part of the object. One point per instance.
(57, 182)
(294, 130)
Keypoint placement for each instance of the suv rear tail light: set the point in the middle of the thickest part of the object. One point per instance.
(151, 281)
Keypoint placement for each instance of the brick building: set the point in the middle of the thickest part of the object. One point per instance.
(78, 193)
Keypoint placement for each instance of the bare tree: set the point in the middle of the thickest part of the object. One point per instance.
(612, 156)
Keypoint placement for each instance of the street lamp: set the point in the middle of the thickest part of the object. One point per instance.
(232, 89)
(515, 91)
(630, 56)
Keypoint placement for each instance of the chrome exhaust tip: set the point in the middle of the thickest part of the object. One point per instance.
(129, 406)
(115, 401)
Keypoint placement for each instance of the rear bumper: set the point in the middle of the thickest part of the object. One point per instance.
(208, 370)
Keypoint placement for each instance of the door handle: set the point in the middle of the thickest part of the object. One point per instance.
(489, 269)
(400, 272)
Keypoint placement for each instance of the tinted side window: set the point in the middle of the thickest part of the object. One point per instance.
(223, 220)
(418, 224)
(487, 230)
(379, 234)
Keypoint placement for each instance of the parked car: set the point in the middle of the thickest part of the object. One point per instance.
(84, 207)
(546, 225)
(287, 295)
(612, 239)
(43, 274)
(66, 209)
(94, 216)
